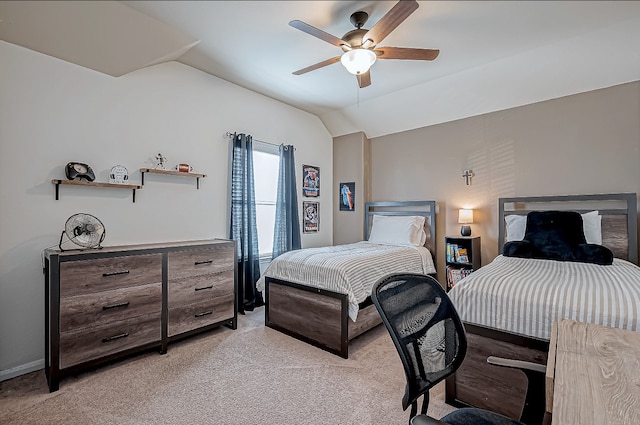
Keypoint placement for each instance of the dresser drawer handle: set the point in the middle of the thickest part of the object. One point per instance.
(206, 313)
(108, 307)
(204, 287)
(113, 338)
(197, 263)
(115, 273)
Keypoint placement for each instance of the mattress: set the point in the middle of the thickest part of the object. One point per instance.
(525, 296)
(350, 269)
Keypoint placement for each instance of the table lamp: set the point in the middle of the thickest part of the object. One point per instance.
(465, 217)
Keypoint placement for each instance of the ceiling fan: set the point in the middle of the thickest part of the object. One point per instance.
(360, 45)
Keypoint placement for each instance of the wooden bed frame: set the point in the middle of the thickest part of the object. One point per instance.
(320, 317)
(502, 390)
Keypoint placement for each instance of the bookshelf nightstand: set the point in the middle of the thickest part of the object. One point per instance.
(462, 257)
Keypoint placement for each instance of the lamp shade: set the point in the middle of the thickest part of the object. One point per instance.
(465, 216)
(358, 61)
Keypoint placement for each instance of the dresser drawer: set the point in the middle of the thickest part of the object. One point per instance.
(200, 288)
(104, 307)
(100, 341)
(193, 316)
(100, 274)
(201, 261)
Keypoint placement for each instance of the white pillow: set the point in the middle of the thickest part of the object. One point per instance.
(591, 223)
(398, 230)
(591, 226)
(516, 226)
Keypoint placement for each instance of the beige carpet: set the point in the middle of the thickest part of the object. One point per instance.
(252, 375)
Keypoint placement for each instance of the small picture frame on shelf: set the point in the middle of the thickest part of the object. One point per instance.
(118, 175)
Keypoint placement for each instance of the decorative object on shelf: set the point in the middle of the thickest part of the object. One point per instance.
(118, 175)
(78, 170)
(347, 196)
(310, 181)
(184, 168)
(84, 230)
(311, 214)
(465, 217)
(160, 161)
(467, 174)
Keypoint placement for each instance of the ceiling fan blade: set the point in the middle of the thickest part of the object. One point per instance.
(316, 66)
(331, 39)
(406, 53)
(389, 22)
(364, 80)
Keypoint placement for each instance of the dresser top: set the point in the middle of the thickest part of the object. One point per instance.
(138, 247)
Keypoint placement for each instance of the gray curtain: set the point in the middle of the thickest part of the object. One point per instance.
(286, 235)
(243, 228)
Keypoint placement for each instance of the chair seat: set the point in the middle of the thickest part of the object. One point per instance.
(466, 416)
(473, 416)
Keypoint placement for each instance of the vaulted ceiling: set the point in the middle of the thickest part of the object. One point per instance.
(493, 54)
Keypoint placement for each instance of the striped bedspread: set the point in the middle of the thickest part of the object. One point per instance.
(350, 269)
(526, 296)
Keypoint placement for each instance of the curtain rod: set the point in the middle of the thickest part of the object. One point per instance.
(227, 134)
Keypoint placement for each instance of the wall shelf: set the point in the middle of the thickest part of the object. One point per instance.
(172, 173)
(58, 182)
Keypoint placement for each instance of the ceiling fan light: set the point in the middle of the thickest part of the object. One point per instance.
(358, 61)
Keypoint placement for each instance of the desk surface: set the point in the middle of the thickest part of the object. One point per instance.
(594, 376)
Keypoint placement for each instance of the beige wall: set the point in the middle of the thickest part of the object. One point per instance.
(52, 112)
(351, 163)
(585, 143)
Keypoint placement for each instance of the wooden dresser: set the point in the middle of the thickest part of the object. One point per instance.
(105, 304)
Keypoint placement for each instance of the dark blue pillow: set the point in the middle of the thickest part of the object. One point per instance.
(557, 235)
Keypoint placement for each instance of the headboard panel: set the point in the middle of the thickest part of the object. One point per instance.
(405, 208)
(618, 212)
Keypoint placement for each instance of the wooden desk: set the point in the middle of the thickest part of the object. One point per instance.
(593, 375)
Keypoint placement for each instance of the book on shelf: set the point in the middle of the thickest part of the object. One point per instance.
(461, 256)
(455, 275)
(456, 254)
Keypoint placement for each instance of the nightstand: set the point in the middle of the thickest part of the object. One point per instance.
(462, 257)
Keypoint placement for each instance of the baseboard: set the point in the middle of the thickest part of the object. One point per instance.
(21, 370)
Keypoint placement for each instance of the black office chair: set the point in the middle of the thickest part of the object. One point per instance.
(432, 343)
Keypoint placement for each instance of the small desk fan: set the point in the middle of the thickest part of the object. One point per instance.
(84, 230)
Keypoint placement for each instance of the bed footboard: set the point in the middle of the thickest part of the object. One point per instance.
(479, 384)
(315, 316)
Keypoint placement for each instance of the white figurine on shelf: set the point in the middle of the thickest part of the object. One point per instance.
(160, 161)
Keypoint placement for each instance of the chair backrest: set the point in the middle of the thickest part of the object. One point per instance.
(425, 329)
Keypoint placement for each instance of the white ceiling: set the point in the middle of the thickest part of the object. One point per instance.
(493, 54)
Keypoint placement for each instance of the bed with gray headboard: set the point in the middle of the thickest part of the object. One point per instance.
(304, 305)
(509, 305)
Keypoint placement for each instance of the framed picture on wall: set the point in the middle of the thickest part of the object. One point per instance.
(310, 181)
(311, 213)
(347, 199)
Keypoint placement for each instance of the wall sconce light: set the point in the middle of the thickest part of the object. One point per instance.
(467, 174)
(465, 217)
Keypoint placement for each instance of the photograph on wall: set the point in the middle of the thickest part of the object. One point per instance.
(347, 196)
(310, 181)
(311, 217)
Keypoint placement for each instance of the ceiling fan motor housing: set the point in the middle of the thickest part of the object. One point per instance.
(354, 39)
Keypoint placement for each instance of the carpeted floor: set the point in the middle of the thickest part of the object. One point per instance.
(251, 375)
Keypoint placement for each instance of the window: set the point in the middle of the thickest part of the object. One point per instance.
(266, 163)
